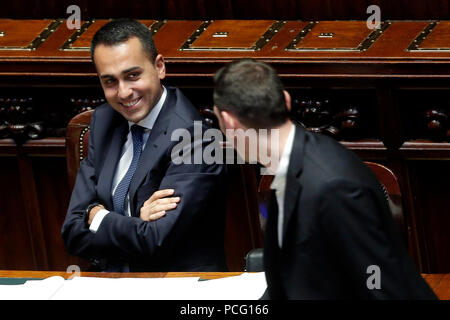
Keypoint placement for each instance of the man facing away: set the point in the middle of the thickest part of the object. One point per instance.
(330, 233)
(133, 208)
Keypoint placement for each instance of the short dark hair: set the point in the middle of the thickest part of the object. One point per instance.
(121, 30)
(252, 91)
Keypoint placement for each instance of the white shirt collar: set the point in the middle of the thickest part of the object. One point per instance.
(149, 121)
(279, 179)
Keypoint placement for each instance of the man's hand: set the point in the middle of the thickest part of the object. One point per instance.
(158, 204)
(93, 212)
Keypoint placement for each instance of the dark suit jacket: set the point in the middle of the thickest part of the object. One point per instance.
(189, 238)
(337, 223)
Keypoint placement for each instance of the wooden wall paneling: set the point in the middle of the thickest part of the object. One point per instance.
(431, 194)
(32, 212)
(54, 195)
(415, 225)
(16, 250)
(241, 207)
(420, 226)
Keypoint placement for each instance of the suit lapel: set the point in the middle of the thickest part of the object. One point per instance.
(293, 187)
(110, 163)
(156, 143)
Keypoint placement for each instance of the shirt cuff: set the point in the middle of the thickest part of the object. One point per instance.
(98, 219)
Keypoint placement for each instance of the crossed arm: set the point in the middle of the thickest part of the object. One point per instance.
(153, 209)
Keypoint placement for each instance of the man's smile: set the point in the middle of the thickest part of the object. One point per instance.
(131, 103)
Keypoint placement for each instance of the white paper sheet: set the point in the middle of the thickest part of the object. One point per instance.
(85, 288)
(248, 286)
(32, 289)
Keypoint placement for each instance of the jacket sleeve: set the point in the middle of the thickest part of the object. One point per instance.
(361, 232)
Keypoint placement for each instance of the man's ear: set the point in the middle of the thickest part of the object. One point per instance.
(287, 99)
(229, 119)
(160, 66)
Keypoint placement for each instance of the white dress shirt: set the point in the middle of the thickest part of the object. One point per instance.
(279, 182)
(127, 156)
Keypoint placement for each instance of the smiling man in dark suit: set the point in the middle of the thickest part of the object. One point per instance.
(134, 208)
(330, 233)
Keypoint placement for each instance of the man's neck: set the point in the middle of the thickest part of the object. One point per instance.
(275, 140)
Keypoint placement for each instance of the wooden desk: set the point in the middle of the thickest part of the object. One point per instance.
(440, 283)
(65, 275)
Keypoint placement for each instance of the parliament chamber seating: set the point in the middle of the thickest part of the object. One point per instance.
(242, 230)
(382, 93)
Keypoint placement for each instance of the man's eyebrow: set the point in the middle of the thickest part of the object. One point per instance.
(103, 76)
(131, 69)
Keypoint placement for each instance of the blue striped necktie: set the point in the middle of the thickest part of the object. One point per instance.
(121, 192)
